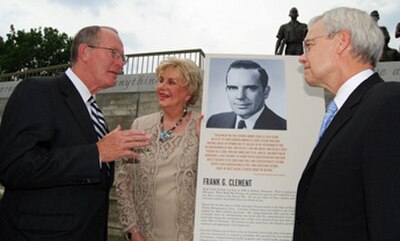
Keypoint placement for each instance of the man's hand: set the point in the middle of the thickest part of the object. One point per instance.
(120, 143)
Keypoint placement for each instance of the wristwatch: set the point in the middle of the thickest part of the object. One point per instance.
(129, 235)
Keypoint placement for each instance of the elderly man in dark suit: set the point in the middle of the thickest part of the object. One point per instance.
(247, 89)
(349, 189)
(56, 157)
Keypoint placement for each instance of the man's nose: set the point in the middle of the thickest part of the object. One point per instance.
(302, 59)
(240, 93)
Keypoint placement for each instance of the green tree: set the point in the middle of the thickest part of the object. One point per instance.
(34, 49)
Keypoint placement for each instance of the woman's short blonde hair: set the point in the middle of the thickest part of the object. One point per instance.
(189, 72)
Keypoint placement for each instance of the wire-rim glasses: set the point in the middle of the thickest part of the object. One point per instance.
(114, 53)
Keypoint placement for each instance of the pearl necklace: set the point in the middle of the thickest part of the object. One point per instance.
(164, 135)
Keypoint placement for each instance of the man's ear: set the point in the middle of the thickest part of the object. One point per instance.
(83, 52)
(266, 92)
(344, 39)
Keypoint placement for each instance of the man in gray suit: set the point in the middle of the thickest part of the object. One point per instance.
(247, 89)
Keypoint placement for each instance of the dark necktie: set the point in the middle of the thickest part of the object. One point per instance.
(241, 124)
(98, 120)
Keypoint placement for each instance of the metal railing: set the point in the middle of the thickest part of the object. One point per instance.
(145, 63)
(45, 71)
(139, 63)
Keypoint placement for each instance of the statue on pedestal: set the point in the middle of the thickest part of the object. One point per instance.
(388, 53)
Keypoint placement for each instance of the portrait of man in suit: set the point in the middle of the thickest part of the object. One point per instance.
(247, 89)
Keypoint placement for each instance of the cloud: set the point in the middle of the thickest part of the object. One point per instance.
(80, 3)
(216, 26)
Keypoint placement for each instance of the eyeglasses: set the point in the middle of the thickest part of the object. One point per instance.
(114, 53)
(306, 43)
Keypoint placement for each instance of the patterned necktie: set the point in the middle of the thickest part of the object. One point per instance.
(99, 123)
(241, 124)
(330, 113)
(98, 120)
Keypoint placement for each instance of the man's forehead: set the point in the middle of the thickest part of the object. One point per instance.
(314, 30)
(243, 78)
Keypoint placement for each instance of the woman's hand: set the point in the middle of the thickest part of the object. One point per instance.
(198, 125)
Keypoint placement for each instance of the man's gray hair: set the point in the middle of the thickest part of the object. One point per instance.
(367, 39)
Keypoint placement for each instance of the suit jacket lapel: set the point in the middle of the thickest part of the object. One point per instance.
(230, 120)
(77, 106)
(264, 119)
(344, 115)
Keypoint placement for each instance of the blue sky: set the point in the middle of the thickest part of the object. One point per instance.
(216, 26)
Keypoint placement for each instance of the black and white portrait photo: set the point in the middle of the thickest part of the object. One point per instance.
(246, 94)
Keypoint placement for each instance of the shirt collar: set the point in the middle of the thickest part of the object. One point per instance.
(350, 85)
(251, 121)
(79, 85)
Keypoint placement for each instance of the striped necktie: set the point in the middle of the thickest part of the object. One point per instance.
(99, 123)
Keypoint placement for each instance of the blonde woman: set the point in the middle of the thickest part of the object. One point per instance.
(157, 191)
